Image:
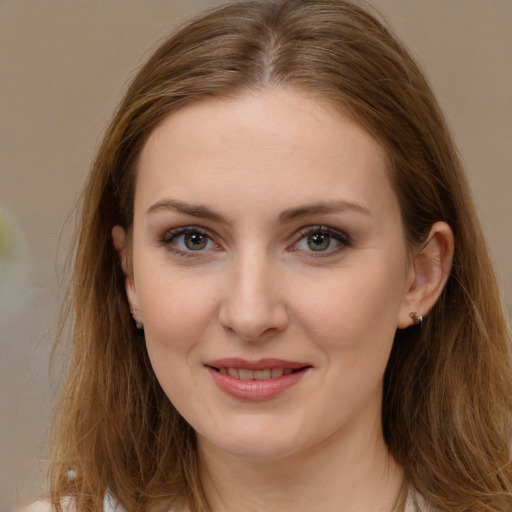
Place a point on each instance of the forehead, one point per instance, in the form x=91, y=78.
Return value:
x=282, y=143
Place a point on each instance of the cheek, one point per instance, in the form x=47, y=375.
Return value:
x=174, y=309
x=355, y=310
x=352, y=320
x=177, y=314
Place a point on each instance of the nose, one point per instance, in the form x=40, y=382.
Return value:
x=253, y=305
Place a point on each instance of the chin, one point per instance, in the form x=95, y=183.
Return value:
x=254, y=442
x=259, y=450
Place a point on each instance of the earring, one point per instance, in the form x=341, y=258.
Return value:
x=138, y=324
x=417, y=319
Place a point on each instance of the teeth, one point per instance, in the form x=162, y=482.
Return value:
x=233, y=372
x=245, y=374
x=262, y=374
x=277, y=372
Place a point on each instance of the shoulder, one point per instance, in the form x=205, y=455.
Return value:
x=44, y=506
x=37, y=506
x=110, y=504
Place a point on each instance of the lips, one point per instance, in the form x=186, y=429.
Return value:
x=256, y=380
x=247, y=374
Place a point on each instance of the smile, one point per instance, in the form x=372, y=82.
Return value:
x=246, y=374
x=258, y=380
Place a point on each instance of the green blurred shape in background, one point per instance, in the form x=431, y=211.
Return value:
x=15, y=264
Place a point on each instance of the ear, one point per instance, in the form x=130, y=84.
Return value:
x=119, y=240
x=430, y=268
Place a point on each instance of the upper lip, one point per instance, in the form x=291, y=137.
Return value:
x=260, y=364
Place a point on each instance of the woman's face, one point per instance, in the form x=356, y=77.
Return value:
x=269, y=270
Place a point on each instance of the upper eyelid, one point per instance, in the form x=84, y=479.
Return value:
x=304, y=231
x=170, y=234
x=173, y=232
x=168, y=240
x=343, y=239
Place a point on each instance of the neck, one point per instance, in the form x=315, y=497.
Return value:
x=347, y=472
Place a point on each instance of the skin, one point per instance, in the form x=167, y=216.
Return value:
x=269, y=276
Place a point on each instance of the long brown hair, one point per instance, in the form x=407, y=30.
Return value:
x=447, y=414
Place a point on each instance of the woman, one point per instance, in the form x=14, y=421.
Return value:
x=282, y=299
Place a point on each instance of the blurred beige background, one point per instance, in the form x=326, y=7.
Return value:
x=63, y=66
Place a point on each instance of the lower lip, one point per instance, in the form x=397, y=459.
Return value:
x=255, y=390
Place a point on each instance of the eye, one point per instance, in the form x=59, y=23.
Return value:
x=194, y=241
x=187, y=240
x=321, y=239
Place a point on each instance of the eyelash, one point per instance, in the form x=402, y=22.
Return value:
x=169, y=240
x=342, y=238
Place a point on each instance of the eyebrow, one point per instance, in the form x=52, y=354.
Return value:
x=204, y=212
x=194, y=210
x=321, y=209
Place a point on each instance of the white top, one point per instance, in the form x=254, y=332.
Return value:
x=109, y=505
